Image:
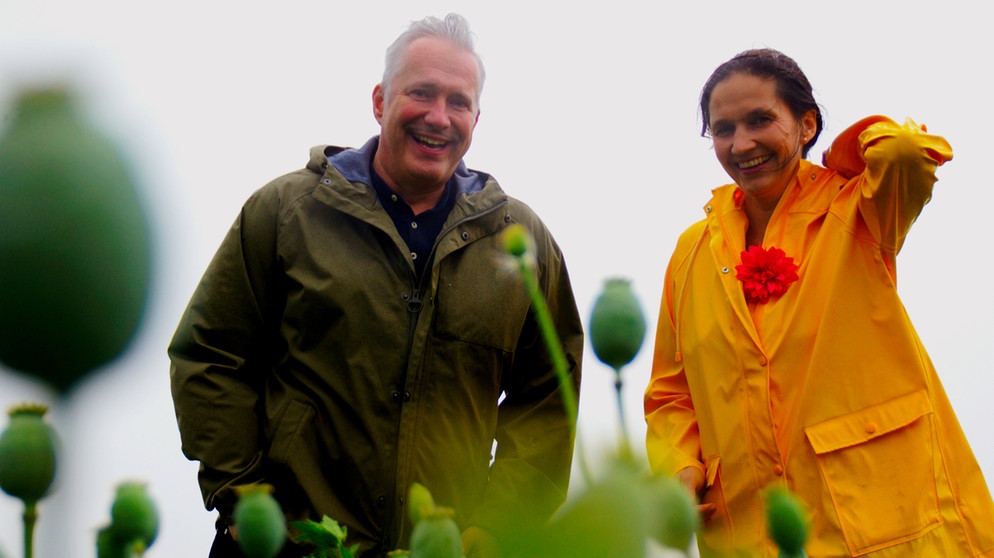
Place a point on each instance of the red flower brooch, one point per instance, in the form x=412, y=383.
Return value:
x=765, y=273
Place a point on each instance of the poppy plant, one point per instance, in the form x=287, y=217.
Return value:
x=765, y=273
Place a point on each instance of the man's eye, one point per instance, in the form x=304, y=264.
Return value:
x=419, y=94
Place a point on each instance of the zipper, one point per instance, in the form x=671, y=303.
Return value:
x=415, y=304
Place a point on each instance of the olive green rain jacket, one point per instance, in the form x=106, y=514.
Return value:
x=311, y=358
x=826, y=390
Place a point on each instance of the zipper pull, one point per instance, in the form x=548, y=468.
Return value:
x=415, y=304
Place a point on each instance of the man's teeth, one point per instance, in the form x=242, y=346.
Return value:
x=755, y=162
x=430, y=142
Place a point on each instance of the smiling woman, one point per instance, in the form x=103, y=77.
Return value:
x=803, y=369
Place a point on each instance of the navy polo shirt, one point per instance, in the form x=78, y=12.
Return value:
x=418, y=231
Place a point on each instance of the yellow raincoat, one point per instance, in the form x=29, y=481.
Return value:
x=826, y=389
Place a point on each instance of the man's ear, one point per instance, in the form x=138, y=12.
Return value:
x=378, y=102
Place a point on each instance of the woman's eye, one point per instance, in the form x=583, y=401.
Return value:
x=760, y=121
x=722, y=131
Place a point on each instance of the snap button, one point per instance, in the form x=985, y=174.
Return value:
x=870, y=428
x=778, y=469
x=507, y=218
x=465, y=235
x=763, y=360
x=414, y=255
x=725, y=270
x=326, y=181
x=707, y=209
x=414, y=224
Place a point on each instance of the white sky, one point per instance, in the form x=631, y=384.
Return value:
x=589, y=115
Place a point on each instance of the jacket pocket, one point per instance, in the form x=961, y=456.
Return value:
x=879, y=467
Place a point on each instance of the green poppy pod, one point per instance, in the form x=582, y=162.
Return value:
x=617, y=325
x=787, y=522
x=260, y=522
x=109, y=546
x=419, y=501
x=674, y=513
x=27, y=454
x=75, y=247
x=609, y=519
x=517, y=241
x=436, y=535
x=133, y=514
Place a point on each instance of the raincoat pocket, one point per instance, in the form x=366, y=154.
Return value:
x=879, y=467
x=717, y=533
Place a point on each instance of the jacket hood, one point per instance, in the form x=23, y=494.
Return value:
x=354, y=164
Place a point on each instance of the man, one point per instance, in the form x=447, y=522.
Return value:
x=358, y=329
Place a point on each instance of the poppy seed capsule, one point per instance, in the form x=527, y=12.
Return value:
x=419, y=500
x=674, y=513
x=260, y=521
x=436, y=535
x=133, y=514
x=787, y=522
x=76, y=247
x=108, y=546
x=27, y=454
x=516, y=240
x=617, y=325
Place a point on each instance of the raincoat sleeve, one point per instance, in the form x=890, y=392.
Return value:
x=894, y=166
x=672, y=435
x=219, y=357
x=530, y=473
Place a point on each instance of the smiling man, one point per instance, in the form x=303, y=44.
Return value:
x=356, y=331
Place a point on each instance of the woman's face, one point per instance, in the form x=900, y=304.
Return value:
x=756, y=138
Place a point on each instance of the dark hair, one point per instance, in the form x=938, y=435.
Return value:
x=793, y=87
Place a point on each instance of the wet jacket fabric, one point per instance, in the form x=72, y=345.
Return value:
x=826, y=390
x=312, y=358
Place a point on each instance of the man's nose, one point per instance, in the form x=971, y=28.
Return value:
x=438, y=114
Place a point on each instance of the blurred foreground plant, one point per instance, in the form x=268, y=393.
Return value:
x=260, y=521
x=27, y=463
x=620, y=511
x=75, y=255
x=134, y=523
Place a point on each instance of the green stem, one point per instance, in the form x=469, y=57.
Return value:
x=625, y=446
x=30, y=517
x=558, y=357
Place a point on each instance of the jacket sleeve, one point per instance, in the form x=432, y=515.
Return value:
x=530, y=473
x=672, y=436
x=219, y=357
x=894, y=166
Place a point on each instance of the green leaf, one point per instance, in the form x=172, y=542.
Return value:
x=328, y=538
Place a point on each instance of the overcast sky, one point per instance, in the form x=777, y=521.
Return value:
x=589, y=114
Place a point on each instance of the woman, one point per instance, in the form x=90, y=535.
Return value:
x=783, y=354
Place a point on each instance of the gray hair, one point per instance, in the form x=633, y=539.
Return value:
x=453, y=28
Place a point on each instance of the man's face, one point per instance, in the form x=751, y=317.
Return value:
x=427, y=117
